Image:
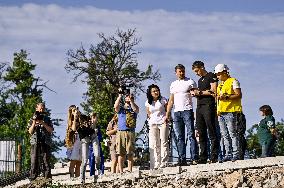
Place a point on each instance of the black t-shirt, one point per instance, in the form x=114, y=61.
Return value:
x=204, y=84
x=85, y=132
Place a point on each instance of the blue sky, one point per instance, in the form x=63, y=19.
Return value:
x=255, y=6
x=248, y=36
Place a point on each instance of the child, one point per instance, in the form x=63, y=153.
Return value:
x=111, y=131
x=267, y=131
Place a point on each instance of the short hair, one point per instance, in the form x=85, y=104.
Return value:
x=40, y=104
x=179, y=66
x=266, y=109
x=197, y=64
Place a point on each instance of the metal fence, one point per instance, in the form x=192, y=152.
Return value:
x=8, y=157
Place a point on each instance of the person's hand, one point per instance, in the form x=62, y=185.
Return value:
x=223, y=96
x=193, y=92
x=167, y=119
x=40, y=122
x=35, y=123
x=76, y=114
x=131, y=96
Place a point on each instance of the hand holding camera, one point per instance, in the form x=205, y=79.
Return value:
x=124, y=89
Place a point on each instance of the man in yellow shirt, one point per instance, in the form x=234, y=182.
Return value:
x=229, y=96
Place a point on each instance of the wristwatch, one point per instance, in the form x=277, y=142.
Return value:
x=200, y=93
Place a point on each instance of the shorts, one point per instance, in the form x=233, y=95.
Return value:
x=125, y=142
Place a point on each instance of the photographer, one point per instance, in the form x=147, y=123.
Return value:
x=40, y=129
x=125, y=137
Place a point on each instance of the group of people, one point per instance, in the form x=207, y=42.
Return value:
x=219, y=126
x=83, y=143
x=83, y=135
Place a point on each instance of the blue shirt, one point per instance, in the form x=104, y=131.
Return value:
x=122, y=119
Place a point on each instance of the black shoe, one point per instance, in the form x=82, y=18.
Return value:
x=182, y=163
x=213, y=161
x=202, y=161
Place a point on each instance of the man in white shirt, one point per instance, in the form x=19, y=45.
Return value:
x=181, y=98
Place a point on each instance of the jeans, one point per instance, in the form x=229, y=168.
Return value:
x=158, y=145
x=267, y=147
x=182, y=119
x=229, y=132
x=85, y=154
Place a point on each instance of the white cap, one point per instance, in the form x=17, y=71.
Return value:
x=221, y=68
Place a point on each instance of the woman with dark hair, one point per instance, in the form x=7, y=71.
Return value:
x=267, y=131
x=156, y=106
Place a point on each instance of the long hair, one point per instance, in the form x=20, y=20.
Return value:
x=149, y=95
x=69, y=138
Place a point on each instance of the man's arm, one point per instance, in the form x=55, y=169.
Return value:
x=134, y=106
x=32, y=127
x=237, y=94
x=169, y=107
x=47, y=126
x=117, y=102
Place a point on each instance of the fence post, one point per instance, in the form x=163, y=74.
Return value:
x=19, y=159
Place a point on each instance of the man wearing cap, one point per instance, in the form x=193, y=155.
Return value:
x=206, y=112
x=229, y=97
x=181, y=98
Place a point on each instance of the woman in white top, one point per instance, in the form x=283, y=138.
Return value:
x=156, y=106
x=73, y=142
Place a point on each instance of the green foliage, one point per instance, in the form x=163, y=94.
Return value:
x=253, y=146
x=18, y=100
x=279, y=148
x=106, y=66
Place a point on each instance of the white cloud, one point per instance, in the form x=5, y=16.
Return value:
x=251, y=44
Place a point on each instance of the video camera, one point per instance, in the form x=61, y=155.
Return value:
x=124, y=89
x=38, y=115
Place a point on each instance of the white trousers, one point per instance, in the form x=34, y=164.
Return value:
x=159, y=146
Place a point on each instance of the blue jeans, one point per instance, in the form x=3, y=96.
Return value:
x=182, y=119
x=229, y=133
x=85, y=155
x=267, y=147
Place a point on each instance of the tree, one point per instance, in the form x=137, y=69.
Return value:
x=6, y=112
x=107, y=66
x=20, y=99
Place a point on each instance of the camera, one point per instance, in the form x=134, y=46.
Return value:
x=124, y=89
x=85, y=120
x=38, y=115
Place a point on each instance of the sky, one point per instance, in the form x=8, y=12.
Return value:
x=247, y=35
